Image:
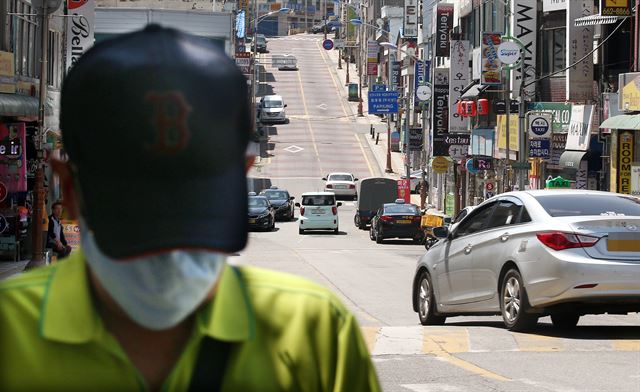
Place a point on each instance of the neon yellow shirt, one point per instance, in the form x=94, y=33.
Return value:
x=288, y=334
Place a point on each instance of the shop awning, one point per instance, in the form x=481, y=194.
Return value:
x=16, y=105
x=593, y=20
x=571, y=159
x=622, y=121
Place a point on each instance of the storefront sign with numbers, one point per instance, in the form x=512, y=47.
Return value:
x=440, y=101
x=615, y=7
x=458, y=80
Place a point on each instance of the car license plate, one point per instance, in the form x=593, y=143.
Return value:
x=319, y=211
x=341, y=186
x=623, y=242
x=252, y=221
x=403, y=221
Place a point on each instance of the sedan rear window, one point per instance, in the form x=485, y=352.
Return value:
x=318, y=200
x=401, y=209
x=579, y=205
x=340, y=177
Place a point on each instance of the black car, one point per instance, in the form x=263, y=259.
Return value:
x=261, y=213
x=281, y=201
x=397, y=220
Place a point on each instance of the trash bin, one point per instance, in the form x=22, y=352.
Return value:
x=353, y=92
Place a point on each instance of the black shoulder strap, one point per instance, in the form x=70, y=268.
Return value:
x=208, y=373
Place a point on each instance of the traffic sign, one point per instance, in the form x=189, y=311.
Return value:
x=440, y=165
x=338, y=43
x=423, y=92
x=327, y=44
x=379, y=87
x=540, y=125
x=383, y=102
x=489, y=186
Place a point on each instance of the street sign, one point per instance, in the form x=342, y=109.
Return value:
x=243, y=61
x=540, y=125
x=327, y=44
x=338, y=43
x=540, y=148
x=485, y=163
x=440, y=165
x=489, y=186
x=383, y=102
x=521, y=166
x=423, y=93
x=379, y=87
x=509, y=52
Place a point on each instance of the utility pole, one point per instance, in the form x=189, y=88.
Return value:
x=389, y=169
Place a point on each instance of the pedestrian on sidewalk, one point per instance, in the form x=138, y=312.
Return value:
x=55, y=232
x=161, y=120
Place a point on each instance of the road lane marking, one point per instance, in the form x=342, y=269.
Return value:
x=335, y=84
x=626, y=345
x=537, y=343
x=306, y=113
x=439, y=346
x=452, y=340
x=370, y=335
x=364, y=154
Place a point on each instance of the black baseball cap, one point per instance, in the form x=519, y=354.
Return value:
x=156, y=124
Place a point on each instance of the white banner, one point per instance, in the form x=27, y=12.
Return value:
x=79, y=29
x=579, y=128
x=523, y=25
x=410, y=26
x=579, y=79
x=427, y=19
x=458, y=80
x=554, y=5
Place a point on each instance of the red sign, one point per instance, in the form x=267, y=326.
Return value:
x=3, y=191
x=372, y=69
x=404, y=190
x=243, y=61
x=489, y=186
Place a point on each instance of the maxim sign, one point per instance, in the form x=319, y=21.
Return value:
x=524, y=29
x=79, y=28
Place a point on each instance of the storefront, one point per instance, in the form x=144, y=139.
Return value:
x=625, y=153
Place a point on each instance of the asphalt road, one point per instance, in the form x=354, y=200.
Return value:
x=374, y=281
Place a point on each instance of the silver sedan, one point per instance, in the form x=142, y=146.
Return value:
x=528, y=254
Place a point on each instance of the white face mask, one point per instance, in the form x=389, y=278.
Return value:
x=157, y=291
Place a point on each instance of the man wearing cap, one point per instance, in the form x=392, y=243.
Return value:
x=160, y=120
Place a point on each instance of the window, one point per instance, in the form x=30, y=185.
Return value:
x=23, y=37
x=53, y=59
x=401, y=209
x=476, y=221
x=554, y=53
x=318, y=200
x=590, y=205
x=507, y=213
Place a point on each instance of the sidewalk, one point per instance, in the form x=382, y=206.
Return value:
x=8, y=268
x=379, y=151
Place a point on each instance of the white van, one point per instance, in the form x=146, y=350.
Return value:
x=272, y=109
x=318, y=211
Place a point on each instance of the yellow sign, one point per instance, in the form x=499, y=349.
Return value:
x=625, y=158
x=631, y=95
x=440, y=165
x=513, y=132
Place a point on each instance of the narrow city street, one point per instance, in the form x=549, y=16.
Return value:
x=374, y=280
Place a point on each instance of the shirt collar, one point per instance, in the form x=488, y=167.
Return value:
x=69, y=315
x=229, y=316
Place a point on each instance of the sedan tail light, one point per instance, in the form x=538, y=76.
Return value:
x=302, y=211
x=351, y=186
x=334, y=210
x=385, y=218
x=558, y=240
x=329, y=186
x=417, y=218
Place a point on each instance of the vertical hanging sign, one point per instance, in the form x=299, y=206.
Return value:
x=372, y=57
x=579, y=80
x=458, y=79
x=524, y=29
x=440, y=101
x=410, y=23
x=490, y=74
x=79, y=29
x=421, y=73
x=443, y=26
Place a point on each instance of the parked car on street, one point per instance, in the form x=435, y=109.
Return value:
x=281, y=201
x=260, y=43
x=284, y=62
x=372, y=193
x=318, y=211
x=271, y=109
x=261, y=213
x=323, y=27
x=397, y=220
x=342, y=184
x=528, y=254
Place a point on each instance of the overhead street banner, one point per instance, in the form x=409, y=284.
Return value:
x=458, y=80
x=80, y=28
x=579, y=79
x=443, y=25
x=523, y=25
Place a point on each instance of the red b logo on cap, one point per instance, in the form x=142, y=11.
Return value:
x=169, y=121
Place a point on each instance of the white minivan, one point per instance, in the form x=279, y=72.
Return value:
x=272, y=109
x=318, y=211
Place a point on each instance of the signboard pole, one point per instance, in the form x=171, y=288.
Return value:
x=523, y=137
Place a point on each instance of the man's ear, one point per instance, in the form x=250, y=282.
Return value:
x=248, y=163
x=69, y=199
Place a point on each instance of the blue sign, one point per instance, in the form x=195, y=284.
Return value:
x=383, y=102
x=540, y=148
x=327, y=44
x=421, y=75
x=240, y=19
x=379, y=87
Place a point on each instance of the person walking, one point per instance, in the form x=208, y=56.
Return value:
x=55, y=232
x=160, y=120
